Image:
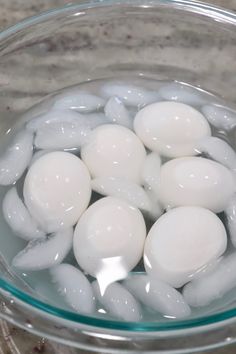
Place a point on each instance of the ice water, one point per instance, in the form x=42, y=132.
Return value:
x=40, y=281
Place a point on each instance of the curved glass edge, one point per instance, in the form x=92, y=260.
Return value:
x=117, y=325
x=214, y=12
x=75, y=344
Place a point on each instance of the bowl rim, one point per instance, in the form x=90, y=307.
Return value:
x=193, y=6
x=163, y=327
x=216, y=12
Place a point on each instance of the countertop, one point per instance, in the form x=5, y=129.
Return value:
x=13, y=11
x=12, y=339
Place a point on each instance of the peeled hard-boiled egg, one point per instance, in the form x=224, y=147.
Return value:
x=114, y=151
x=181, y=242
x=171, y=128
x=109, y=239
x=57, y=190
x=195, y=181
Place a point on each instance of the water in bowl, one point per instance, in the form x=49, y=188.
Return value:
x=68, y=121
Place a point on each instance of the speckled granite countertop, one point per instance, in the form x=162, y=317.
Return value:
x=13, y=11
x=12, y=339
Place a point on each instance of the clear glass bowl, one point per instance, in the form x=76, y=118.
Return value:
x=161, y=39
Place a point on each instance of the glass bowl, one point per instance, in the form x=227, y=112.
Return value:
x=161, y=39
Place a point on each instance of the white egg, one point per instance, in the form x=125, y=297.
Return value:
x=114, y=151
x=181, y=242
x=57, y=190
x=118, y=302
x=45, y=252
x=219, y=116
x=19, y=218
x=117, y=113
x=16, y=158
x=75, y=287
x=157, y=295
x=171, y=128
x=109, y=239
x=214, y=285
x=195, y=181
x=218, y=150
x=230, y=212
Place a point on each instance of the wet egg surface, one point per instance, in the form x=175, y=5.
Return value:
x=171, y=128
x=181, y=242
x=196, y=181
x=57, y=190
x=106, y=233
x=114, y=151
